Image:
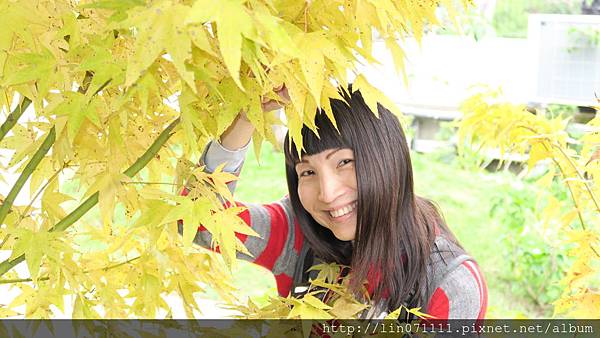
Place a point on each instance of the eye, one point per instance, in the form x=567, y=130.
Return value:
x=306, y=173
x=344, y=162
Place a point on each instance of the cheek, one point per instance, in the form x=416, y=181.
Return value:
x=304, y=195
x=308, y=197
x=350, y=178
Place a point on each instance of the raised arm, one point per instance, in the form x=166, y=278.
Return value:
x=238, y=135
x=231, y=150
x=280, y=239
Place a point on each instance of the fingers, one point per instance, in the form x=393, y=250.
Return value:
x=283, y=94
x=271, y=105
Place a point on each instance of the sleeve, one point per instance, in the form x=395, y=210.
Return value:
x=280, y=241
x=462, y=294
x=215, y=154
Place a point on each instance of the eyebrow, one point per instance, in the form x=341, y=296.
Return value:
x=326, y=157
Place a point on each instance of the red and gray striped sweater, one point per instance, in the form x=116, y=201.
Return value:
x=455, y=288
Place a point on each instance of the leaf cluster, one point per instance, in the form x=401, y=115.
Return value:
x=491, y=122
x=109, y=103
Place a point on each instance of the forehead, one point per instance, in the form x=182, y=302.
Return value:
x=324, y=155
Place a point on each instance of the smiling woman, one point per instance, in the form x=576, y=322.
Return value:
x=327, y=190
x=351, y=201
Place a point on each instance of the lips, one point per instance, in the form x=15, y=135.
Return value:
x=343, y=211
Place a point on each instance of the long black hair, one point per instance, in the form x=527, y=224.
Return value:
x=395, y=229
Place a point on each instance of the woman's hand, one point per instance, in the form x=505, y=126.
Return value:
x=240, y=132
x=270, y=104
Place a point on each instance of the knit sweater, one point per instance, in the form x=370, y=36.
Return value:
x=455, y=287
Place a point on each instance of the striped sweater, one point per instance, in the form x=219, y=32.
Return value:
x=455, y=288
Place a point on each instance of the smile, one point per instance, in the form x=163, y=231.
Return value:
x=343, y=211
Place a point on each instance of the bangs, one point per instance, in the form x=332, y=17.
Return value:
x=328, y=138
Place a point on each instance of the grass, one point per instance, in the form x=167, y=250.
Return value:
x=464, y=197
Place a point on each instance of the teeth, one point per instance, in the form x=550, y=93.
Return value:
x=343, y=211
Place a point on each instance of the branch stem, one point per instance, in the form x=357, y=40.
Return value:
x=40, y=191
x=45, y=278
x=33, y=163
x=91, y=201
x=150, y=183
x=579, y=175
x=568, y=158
x=13, y=117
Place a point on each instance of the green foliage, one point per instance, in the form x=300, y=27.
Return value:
x=467, y=159
x=489, y=122
x=533, y=267
x=555, y=110
x=472, y=23
x=465, y=194
x=583, y=38
x=510, y=17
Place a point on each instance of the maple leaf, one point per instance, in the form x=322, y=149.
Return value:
x=119, y=7
x=417, y=312
x=344, y=308
x=327, y=272
x=309, y=307
x=312, y=63
x=373, y=96
x=39, y=67
x=32, y=245
x=192, y=214
x=233, y=23
x=160, y=29
x=78, y=107
x=101, y=62
x=108, y=184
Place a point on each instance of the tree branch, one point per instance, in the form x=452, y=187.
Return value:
x=33, y=163
x=39, y=154
x=149, y=183
x=40, y=191
x=45, y=278
x=581, y=178
x=13, y=117
x=76, y=214
x=573, y=165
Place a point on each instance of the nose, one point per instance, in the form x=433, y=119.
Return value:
x=330, y=187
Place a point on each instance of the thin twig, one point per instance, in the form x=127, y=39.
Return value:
x=579, y=175
x=570, y=191
x=37, y=157
x=4, y=240
x=29, y=168
x=567, y=182
x=85, y=84
x=574, y=200
x=141, y=182
x=40, y=192
x=91, y=201
x=306, y=18
x=86, y=164
x=45, y=278
x=13, y=117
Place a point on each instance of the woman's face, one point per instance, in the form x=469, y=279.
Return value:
x=327, y=190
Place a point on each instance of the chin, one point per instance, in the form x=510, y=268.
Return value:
x=344, y=237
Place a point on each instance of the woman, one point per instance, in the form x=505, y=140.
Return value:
x=351, y=201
